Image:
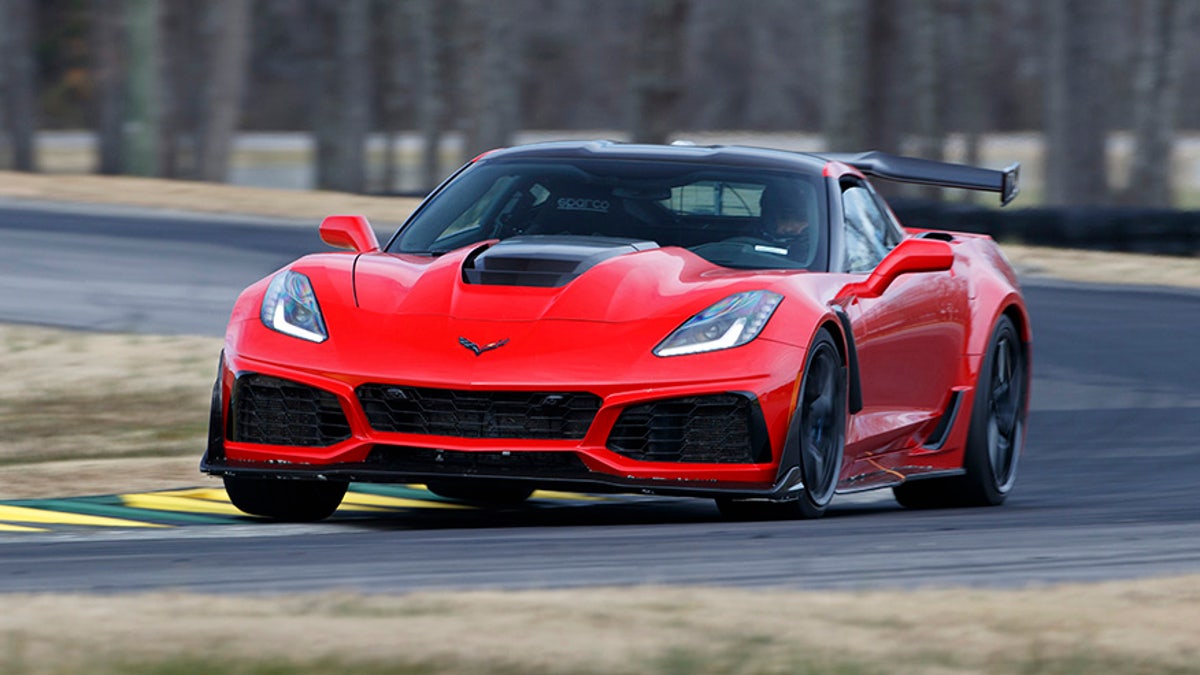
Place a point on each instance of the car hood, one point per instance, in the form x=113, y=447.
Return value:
x=622, y=282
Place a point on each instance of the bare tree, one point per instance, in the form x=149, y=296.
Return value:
x=342, y=94
x=107, y=41
x=715, y=31
x=493, y=93
x=1166, y=26
x=19, y=92
x=925, y=32
x=971, y=92
x=5, y=37
x=845, y=82
x=928, y=103
x=782, y=62
x=354, y=25
x=227, y=32
x=395, y=82
x=144, y=112
x=431, y=22
x=967, y=90
x=656, y=81
x=179, y=73
x=1075, y=127
x=886, y=82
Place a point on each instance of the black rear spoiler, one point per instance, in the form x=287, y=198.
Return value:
x=930, y=172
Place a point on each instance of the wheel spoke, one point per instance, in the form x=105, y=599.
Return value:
x=1003, y=424
x=1002, y=368
x=827, y=374
x=821, y=407
x=818, y=461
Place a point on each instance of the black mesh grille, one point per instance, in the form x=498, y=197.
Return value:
x=516, y=464
x=478, y=414
x=282, y=412
x=722, y=428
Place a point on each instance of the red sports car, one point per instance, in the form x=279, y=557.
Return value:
x=742, y=324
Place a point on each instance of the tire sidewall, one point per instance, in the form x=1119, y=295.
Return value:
x=810, y=505
x=977, y=462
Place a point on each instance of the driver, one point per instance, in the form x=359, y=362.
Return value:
x=784, y=218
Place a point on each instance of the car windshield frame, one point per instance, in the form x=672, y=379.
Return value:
x=718, y=211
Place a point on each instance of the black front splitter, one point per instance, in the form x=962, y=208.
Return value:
x=787, y=488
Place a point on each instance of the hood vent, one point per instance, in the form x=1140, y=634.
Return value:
x=545, y=261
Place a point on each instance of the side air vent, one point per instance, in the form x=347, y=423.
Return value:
x=546, y=261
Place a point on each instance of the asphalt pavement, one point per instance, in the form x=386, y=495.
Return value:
x=1107, y=486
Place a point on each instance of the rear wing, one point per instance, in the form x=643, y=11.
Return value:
x=930, y=172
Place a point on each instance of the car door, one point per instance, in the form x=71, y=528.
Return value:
x=909, y=339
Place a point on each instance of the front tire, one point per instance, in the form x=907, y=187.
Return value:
x=996, y=434
x=300, y=501
x=821, y=412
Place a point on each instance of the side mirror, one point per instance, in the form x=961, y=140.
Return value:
x=352, y=232
x=909, y=257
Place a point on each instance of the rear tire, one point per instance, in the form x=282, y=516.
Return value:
x=483, y=493
x=822, y=410
x=995, y=437
x=300, y=501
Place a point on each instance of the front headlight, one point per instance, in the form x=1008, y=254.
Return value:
x=290, y=307
x=731, y=322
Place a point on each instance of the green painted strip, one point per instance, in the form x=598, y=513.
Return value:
x=110, y=506
x=397, y=490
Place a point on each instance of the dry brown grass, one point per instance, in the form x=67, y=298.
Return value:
x=1142, y=626
x=70, y=395
x=1105, y=267
x=203, y=197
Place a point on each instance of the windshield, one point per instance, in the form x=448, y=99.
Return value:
x=732, y=216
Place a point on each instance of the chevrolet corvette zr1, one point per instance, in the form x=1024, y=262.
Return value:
x=744, y=324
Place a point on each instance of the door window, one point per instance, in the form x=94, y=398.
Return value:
x=869, y=234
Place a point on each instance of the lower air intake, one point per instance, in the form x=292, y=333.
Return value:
x=478, y=414
x=281, y=412
x=718, y=429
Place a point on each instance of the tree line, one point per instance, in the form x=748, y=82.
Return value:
x=165, y=85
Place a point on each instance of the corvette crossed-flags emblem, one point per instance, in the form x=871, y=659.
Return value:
x=485, y=348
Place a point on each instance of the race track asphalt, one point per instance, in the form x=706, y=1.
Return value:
x=1107, y=487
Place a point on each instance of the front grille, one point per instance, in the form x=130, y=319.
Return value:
x=537, y=464
x=281, y=412
x=478, y=414
x=720, y=428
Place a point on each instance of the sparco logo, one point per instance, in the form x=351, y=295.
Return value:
x=582, y=204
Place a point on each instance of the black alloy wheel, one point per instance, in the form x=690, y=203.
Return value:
x=996, y=434
x=998, y=422
x=820, y=419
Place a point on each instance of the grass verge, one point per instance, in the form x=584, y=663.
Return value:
x=72, y=402
x=1129, y=627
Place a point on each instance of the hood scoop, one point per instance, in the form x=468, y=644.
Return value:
x=545, y=261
